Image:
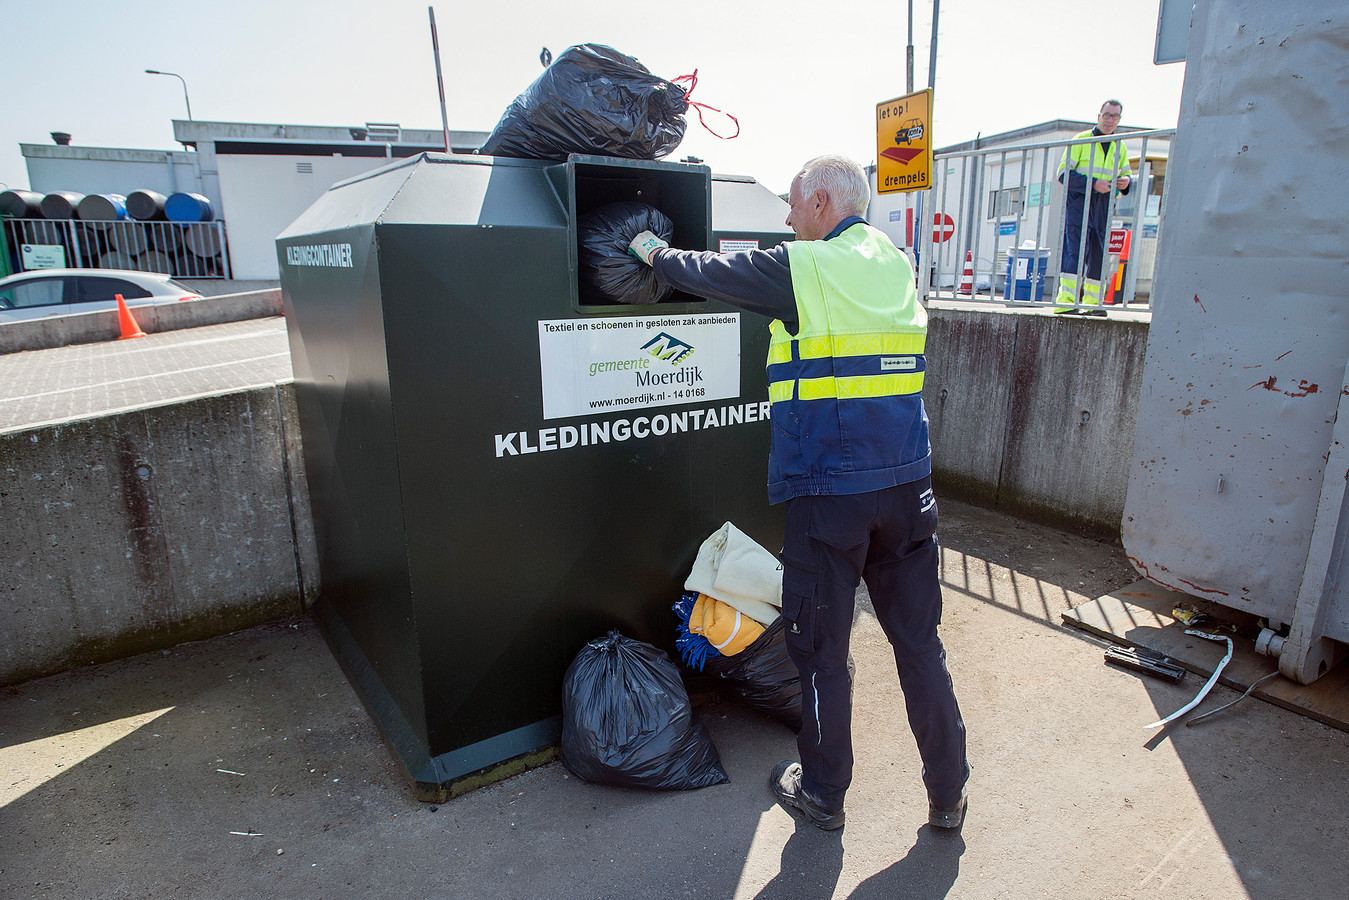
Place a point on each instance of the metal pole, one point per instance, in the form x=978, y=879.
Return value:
x=1089, y=187
x=976, y=218
x=954, y=244
x=183, y=80
x=908, y=80
x=74, y=245
x=1143, y=188
x=440, y=82
x=932, y=60
x=997, y=211
x=1040, y=241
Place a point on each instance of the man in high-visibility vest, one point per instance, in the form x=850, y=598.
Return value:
x=850, y=458
x=1094, y=169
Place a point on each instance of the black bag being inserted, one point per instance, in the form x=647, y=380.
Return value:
x=627, y=720
x=763, y=675
x=609, y=273
x=592, y=100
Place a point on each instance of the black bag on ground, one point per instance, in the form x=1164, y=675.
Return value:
x=609, y=273
x=763, y=675
x=627, y=720
x=592, y=100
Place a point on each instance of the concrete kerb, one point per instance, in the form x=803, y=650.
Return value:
x=151, y=527
x=91, y=328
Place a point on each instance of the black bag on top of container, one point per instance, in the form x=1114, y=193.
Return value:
x=763, y=675
x=627, y=720
x=592, y=100
x=609, y=273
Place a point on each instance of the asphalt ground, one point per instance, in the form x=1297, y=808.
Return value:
x=245, y=766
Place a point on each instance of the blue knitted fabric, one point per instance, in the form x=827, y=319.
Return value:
x=694, y=649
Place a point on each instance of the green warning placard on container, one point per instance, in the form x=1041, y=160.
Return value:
x=904, y=143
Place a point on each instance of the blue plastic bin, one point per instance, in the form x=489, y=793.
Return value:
x=1029, y=266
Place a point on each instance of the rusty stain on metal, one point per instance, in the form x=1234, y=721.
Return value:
x=1204, y=589
x=1282, y=355
x=1143, y=568
x=1200, y=302
x=1305, y=387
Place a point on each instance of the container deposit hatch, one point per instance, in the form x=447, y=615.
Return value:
x=500, y=470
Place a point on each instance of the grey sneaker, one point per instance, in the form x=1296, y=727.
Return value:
x=785, y=780
x=938, y=817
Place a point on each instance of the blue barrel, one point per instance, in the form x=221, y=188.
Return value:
x=185, y=207
x=102, y=208
x=61, y=204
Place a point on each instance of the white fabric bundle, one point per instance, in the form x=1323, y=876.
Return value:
x=734, y=569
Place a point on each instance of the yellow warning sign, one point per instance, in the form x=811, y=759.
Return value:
x=904, y=143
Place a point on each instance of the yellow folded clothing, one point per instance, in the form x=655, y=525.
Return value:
x=724, y=626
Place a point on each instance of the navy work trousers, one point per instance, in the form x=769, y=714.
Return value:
x=889, y=538
x=1096, y=232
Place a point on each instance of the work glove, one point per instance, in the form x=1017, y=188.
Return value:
x=644, y=245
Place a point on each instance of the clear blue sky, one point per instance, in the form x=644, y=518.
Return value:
x=803, y=78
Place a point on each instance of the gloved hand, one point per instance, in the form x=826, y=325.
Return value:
x=644, y=245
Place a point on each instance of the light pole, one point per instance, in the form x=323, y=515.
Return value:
x=180, y=78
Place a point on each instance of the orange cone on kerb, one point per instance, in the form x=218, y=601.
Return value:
x=129, y=327
x=967, y=278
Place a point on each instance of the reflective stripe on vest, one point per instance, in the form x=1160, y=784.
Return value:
x=862, y=332
x=1093, y=162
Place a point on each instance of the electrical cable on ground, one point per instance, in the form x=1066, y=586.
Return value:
x=1214, y=712
x=1203, y=692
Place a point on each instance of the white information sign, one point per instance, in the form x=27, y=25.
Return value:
x=596, y=366
x=43, y=256
x=729, y=245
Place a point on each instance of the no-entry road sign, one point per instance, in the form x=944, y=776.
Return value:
x=943, y=226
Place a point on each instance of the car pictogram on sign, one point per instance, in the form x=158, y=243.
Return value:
x=912, y=130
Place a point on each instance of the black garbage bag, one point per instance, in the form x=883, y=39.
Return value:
x=592, y=100
x=609, y=273
x=763, y=675
x=627, y=720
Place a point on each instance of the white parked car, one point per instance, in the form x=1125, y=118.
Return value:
x=60, y=292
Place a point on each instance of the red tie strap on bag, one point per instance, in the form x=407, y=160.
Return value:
x=692, y=80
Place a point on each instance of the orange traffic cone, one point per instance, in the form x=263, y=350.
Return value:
x=129, y=327
x=967, y=278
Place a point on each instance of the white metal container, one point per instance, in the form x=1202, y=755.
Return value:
x=1238, y=486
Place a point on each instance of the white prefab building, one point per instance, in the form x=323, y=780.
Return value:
x=257, y=177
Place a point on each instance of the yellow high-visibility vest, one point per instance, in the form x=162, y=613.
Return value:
x=846, y=389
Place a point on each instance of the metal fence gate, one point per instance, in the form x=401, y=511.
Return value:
x=1004, y=210
x=183, y=250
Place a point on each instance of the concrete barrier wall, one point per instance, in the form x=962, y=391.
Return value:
x=137, y=531
x=145, y=529
x=1034, y=414
x=91, y=328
